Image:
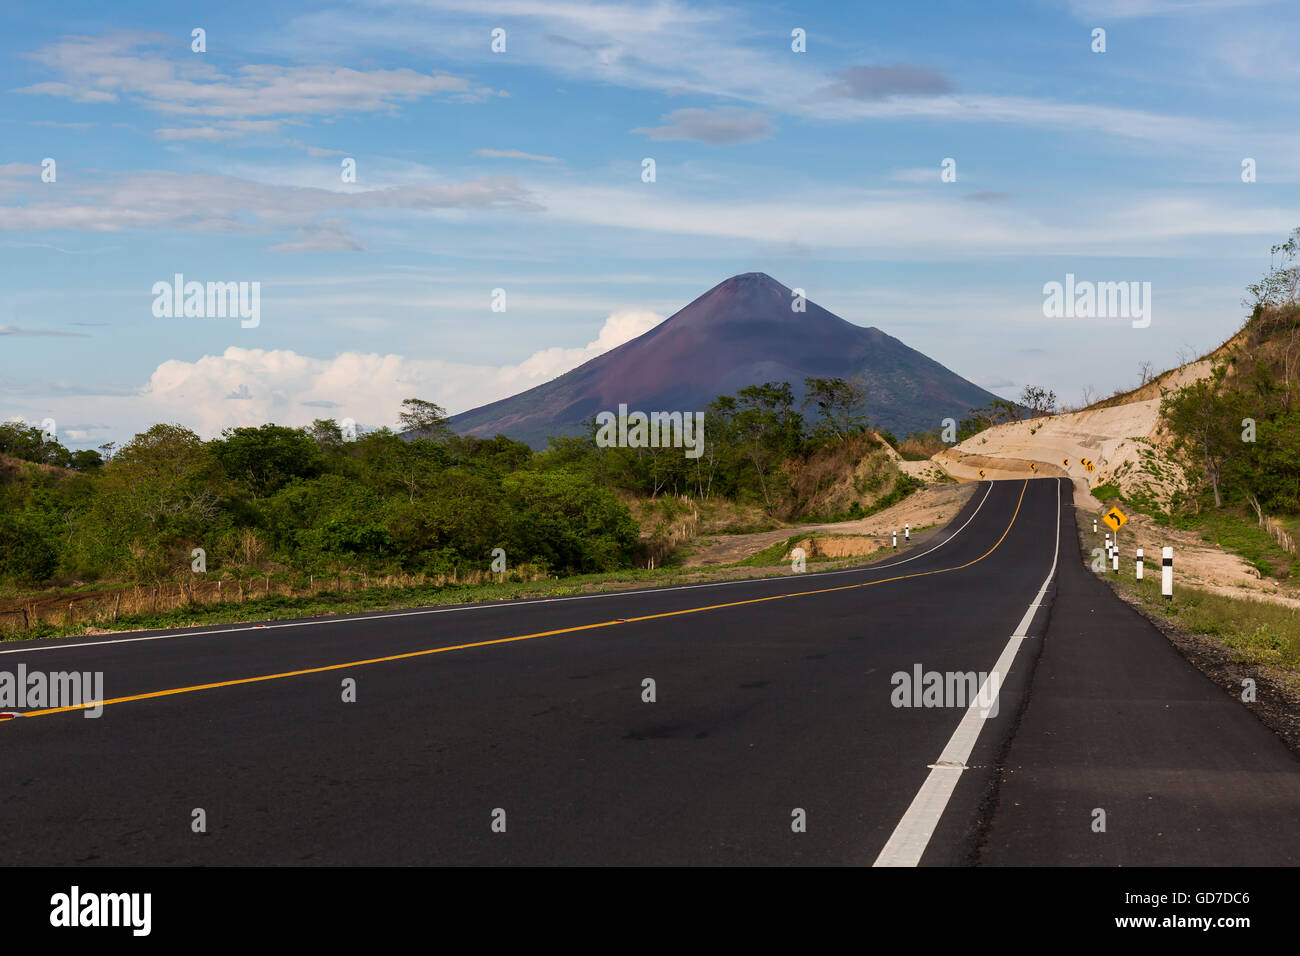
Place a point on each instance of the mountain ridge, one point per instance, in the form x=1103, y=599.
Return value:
x=743, y=331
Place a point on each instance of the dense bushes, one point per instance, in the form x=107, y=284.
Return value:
x=304, y=500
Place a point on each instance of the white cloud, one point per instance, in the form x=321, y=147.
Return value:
x=244, y=386
x=106, y=68
x=227, y=204
x=718, y=51
x=213, y=134
x=890, y=224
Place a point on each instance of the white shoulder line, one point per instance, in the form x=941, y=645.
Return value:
x=317, y=622
x=912, y=835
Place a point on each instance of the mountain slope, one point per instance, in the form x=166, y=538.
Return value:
x=741, y=332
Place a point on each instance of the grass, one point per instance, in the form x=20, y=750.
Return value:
x=904, y=486
x=1233, y=528
x=331, y=602
x=1256, y=632
x=1107, y=493
x=1228, y=528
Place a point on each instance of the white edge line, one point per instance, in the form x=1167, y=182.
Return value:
x=317, y=622
x=910, y=838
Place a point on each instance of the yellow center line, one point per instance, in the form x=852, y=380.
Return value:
x=525, y=637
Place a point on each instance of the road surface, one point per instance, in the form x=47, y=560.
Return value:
x=774, y=707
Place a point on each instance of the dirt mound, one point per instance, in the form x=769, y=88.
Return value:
x=839, y=546
x=927, y=507
x=1124, y=442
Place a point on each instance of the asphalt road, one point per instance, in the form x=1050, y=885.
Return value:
x=772, y=697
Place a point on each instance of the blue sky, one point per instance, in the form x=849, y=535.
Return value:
x=521, y=170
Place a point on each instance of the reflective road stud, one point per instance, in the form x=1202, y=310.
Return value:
x=1139, y=565
x=1167, y=572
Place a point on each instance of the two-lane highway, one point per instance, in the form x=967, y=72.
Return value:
x=773, y=703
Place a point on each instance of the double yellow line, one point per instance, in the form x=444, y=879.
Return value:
x=525, y=637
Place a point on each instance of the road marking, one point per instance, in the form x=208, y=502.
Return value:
x=318, y=622
x=525, y=637
x=910, y=838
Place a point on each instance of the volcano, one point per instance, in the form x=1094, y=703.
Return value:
x=741, y=332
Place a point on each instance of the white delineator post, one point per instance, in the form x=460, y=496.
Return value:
x=1139, y=565
x=895, y=540
x=1167, y=572
x=1094, y=526
x=907, y=531
x=1114, y=560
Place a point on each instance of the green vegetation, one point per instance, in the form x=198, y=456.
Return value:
x=1107, y=493
x=273, y=500
x=1255, y=631
x=757, y=446
x=1238, y=432
x=1233, y=530
x=311, y=502
x=1034, y=402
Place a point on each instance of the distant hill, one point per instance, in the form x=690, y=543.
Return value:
x=741, y=332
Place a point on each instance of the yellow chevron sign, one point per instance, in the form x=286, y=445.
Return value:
x=1115, y=519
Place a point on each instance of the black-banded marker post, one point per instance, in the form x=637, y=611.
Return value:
x=1167, y=572
x=1139, y=565
x=1094, y=526
x=895, y=540
x=907, y=531
x=1114, y=560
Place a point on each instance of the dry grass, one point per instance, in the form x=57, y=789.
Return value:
x=104, y=607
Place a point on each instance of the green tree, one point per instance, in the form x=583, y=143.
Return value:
x=264, y=458
x=767, y=430
x=421, y=419
x=1280, y=286
x=1200, y=419
x=1039, y=401
x=841, y=404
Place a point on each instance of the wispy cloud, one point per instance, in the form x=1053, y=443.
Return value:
x=880, y=82
x=723, y=126
x=136, y=66
x=516, y=154
x=165, y=200
x=1129, y=9
x=49, y=333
